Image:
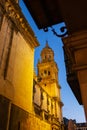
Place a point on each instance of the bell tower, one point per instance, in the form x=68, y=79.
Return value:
x=48, y=80
x=48, y=72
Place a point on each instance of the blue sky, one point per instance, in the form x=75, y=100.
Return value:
x=71, y=108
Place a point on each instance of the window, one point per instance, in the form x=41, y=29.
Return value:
x=45, y=72
x=44, y=84
x=48, y=72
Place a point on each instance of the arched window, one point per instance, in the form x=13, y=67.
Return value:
x=48, y=72
x=45, y=72
x=41, y=74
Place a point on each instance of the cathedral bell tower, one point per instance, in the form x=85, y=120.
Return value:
x=48, y=80
x=48, y=72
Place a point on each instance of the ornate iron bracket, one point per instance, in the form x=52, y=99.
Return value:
x=62, y=29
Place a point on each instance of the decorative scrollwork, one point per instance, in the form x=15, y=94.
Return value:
x=62, y=29
x=14, y=14
x=45, y=29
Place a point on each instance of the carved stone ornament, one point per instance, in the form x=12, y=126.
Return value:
x=13, y=12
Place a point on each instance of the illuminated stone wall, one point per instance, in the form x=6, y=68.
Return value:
x=17, y=43
x=35, y=123
x=15, y=118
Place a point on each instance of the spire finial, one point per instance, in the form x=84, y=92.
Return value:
x=47, y=44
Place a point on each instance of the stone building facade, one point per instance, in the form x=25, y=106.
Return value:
x=47, y=99
x=17, y=44
x=81, y=126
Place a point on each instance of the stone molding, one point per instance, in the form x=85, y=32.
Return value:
x=13, y=12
